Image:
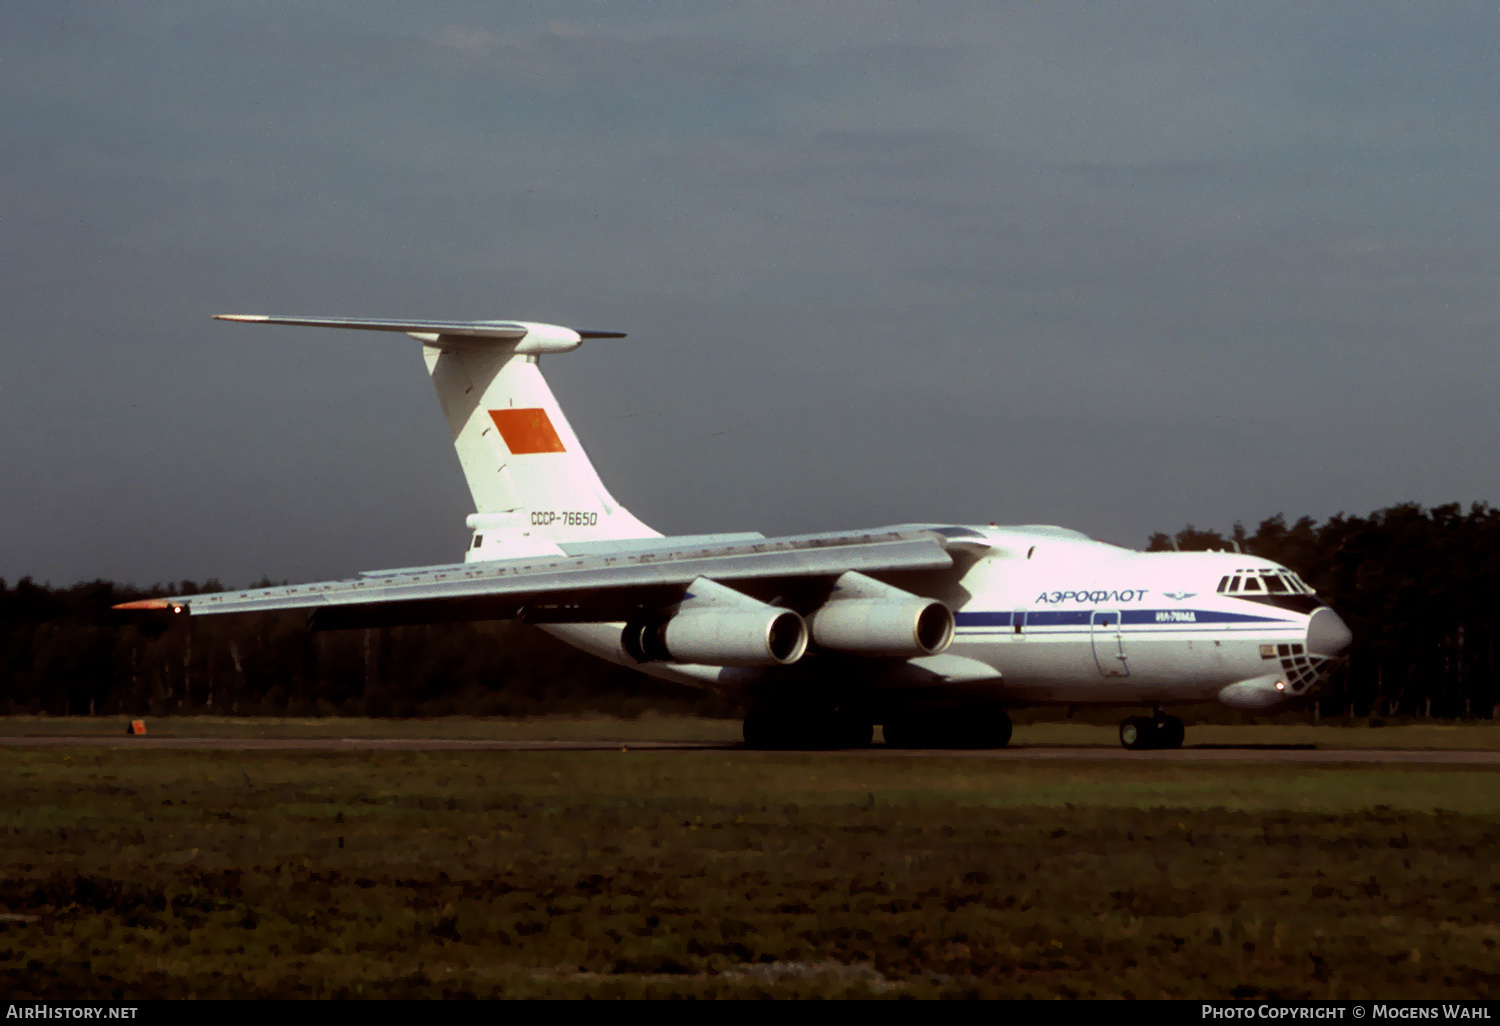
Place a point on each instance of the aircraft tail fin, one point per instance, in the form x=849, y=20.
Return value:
x=533, y=484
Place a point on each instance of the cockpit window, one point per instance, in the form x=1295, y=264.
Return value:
x=1269, y=582
x=1280, y=588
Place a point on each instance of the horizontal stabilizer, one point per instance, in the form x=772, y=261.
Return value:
x=505, y=331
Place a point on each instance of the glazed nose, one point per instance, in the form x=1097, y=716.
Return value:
x=1327, y=634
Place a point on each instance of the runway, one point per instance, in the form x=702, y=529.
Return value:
x=1019, y=753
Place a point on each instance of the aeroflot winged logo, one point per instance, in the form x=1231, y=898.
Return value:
x=527, y=431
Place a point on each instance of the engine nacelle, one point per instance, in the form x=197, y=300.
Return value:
x=720, y=637
x=883, y=627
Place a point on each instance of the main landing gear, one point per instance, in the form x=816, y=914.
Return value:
x=1143, y=732
x=961, y=728
x=782, y=729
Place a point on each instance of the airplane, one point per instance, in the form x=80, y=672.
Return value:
x=931, y=631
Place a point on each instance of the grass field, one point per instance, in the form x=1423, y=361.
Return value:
x=685, y=728
x=170, y=873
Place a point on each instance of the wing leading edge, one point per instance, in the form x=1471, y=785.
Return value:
x=595, y=587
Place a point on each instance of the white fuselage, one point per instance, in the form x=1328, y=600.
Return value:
x=1084, y=621
x=1061, y=618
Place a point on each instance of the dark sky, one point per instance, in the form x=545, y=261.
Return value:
x=1115, y=267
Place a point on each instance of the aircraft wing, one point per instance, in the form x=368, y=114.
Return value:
x=599, y=586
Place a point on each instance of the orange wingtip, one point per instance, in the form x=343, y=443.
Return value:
x=145, y=604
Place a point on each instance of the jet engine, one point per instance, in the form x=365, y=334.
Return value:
x=718, y=626
x=775, y=637
x=865, y=617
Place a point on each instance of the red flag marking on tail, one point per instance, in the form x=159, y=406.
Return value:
x=527, y=431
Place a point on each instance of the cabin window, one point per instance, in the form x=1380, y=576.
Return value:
x=478, y=540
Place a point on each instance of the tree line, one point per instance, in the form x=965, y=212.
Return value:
x=1420, y=589
x=65, y=651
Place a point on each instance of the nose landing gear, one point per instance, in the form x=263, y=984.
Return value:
x=1145, y=732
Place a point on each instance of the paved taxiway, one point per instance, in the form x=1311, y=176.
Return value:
x=1023, y=752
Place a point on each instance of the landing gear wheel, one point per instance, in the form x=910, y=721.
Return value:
x=1140, y=733
x=1135, y=733
x=834, y=729
x=1169, y=732
x=906, y=731
x=987, y=728
x=960, y=728
x=855, y=733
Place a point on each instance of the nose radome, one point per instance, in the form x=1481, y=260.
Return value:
x=1327, y=634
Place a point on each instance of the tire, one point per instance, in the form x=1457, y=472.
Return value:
x=961, y=728
x=898, y=734
x=983, y=728
x=855, y=733
x=1136, y=734
x=1169, y=732
x=907, y=732
x=1000, y=730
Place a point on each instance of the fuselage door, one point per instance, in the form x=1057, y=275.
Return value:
x=1109, y=643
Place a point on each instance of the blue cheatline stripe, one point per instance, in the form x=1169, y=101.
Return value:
x=982, y=619
x=1076, y=617
x=1058, y=617
x=1155, y=617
